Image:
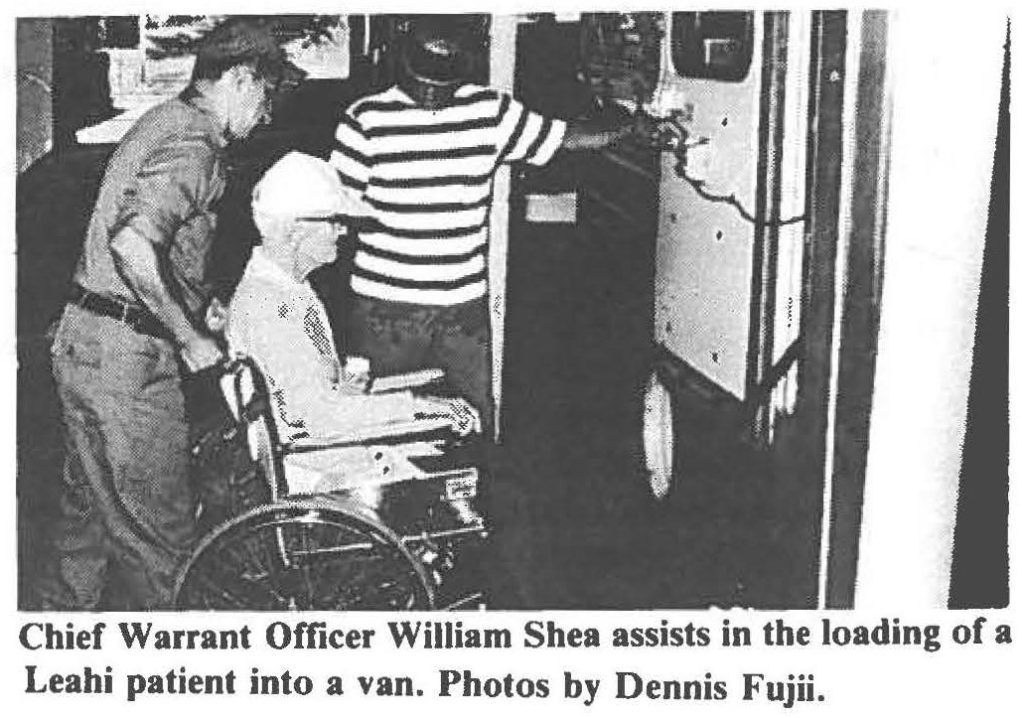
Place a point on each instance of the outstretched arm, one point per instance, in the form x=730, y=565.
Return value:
x=610, y=125
x=595, y=134
x=527, y=136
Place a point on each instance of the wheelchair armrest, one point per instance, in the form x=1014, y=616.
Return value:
x=401, y=382
x=390, y=433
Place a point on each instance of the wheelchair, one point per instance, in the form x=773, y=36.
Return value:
x=385, y=519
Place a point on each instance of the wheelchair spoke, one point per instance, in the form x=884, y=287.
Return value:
x=238, y=591
x=303, y=558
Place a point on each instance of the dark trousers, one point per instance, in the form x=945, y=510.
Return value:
x=399, y=337
x=126, y=504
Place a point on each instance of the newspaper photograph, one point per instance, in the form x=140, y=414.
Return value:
x=572, y=361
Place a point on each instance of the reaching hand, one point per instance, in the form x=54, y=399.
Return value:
x=645, y=128
x=655, y=132
x=463, y=417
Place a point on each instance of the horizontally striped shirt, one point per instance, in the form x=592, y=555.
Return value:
x=428, y=176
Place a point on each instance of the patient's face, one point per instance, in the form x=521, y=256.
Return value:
x=317, y=244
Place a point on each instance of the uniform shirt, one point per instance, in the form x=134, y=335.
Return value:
x=163, y=181
x=428, y=176
x=281, y=323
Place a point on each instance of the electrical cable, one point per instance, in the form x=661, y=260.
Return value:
x=673, y=137
x=698, y=187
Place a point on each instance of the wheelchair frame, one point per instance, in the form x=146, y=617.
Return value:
x=276, y=550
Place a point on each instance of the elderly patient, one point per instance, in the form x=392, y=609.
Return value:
x=277, y=319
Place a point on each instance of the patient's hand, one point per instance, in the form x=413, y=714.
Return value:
x=216, y=316
x=351, y=385
x=351, y=378
x=463, y=417
x=355, y=375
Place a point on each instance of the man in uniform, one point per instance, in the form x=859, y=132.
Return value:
x=135, y=316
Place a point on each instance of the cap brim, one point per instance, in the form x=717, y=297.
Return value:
x=435, y=70
x=353, y=221
x=285, y=74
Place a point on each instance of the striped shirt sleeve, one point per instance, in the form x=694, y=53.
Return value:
x=351, y=153
x=525, y=136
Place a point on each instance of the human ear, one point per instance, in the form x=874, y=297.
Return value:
x=242, y=76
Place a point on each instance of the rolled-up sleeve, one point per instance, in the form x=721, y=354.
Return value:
x=525, y=135
x=171, y=186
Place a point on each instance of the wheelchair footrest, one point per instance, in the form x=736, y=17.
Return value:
x=438, y=523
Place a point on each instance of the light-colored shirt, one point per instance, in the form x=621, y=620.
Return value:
x=428, y=176
x=282, y=325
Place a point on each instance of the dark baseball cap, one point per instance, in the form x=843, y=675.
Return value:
x=244, y=41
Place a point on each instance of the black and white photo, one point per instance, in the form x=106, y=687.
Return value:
x=695, y=309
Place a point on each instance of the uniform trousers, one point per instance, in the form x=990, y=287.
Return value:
x=127, y=504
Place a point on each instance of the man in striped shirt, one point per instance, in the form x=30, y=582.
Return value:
x=424, y=153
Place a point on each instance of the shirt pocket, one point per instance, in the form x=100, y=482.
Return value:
x=78, y=352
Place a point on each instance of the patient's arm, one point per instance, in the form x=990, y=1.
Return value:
x=302, y=377
x=329, y=412
x=346, y=414
x=373, y=416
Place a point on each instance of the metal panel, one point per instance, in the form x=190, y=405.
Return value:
x=704, y=251
x=858, y=333
x=793, y=172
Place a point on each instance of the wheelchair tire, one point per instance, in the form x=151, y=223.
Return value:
x=310, y=554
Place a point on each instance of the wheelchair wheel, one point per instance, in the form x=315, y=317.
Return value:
x=311, y=555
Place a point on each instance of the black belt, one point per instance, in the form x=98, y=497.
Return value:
x=132, y=315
